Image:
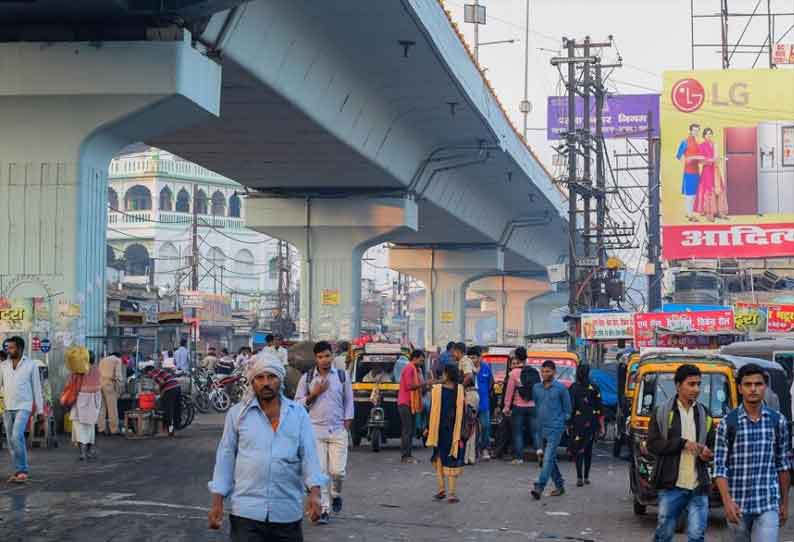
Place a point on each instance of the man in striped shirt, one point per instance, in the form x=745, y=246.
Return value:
x=170, y=396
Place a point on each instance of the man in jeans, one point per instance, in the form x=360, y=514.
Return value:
x=328, y=396
x=521, y=411
x=485, y=389
x=410, y=382
x=553, y=405
x=20, y=384
x=679, y=435
x=751, y=463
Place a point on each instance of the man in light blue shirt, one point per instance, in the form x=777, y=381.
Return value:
x=265, y=460
x=20, y=384
x=553, y=407
x=182, y=357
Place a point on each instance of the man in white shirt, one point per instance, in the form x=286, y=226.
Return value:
x=276, y=348
x=182, y=357
x=20, y=384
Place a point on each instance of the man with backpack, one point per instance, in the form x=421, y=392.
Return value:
x=328, y=396
x=751, y=463
x=679, y=435
x=520, y=406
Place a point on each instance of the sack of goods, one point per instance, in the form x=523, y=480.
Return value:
x=76, y=360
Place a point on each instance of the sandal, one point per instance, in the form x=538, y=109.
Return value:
x=440, y=496
x=453, y=499
x=19, y=478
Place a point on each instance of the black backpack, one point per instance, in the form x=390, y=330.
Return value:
x=529, y=377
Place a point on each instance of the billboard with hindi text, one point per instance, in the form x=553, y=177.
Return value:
x=727, y=164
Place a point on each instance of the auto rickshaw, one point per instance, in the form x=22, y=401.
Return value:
x=655, y=384
x=780, y=350
x=566, y=363
x=375, y=377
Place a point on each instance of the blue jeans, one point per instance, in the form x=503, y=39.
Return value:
x=15, y=423
x=485, y=429
x=756, y=527
x=550, y=468
x=672, y=502
x=522, y=423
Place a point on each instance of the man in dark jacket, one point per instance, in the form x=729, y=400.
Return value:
x=680, y=435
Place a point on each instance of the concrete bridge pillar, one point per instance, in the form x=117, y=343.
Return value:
x=539, y=313
x=446, y=274
x=331, y=236
x=67, y=108
x=511, y=294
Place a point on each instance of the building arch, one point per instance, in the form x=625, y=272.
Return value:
x=201, y=202
x=137, y=258
x=113, y=199
x=166, y=199
x=138, y=198
x=218, y=204
x=183, y=201
x=235, y=206
x=167, y=259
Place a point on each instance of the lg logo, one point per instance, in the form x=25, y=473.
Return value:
x=688, y=95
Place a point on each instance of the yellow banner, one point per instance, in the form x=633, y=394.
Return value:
x=330, y=297
x=727, y=163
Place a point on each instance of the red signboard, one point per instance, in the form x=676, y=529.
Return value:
x=726, y=241
x=780, y=318
x=646, y=322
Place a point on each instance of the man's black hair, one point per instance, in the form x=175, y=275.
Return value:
x=548, y=364
x=322, y=346
x=450, y=345
x=417, y=354
x=460, y=347
x=183, y=341
x=268, y=338
x=685, y=371
x=452, y=372
x=749, y=370
x=475, y=351
x=19, y=341
x=521, y=353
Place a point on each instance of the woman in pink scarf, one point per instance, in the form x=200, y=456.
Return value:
x=710, y=200
x=85, y=412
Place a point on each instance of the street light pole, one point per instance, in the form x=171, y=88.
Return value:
x=476, y=32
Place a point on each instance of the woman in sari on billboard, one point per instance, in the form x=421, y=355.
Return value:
x=711, y=201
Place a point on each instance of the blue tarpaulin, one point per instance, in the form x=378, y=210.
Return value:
x=607, y=380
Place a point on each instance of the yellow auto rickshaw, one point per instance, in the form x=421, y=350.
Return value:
x=375, y=376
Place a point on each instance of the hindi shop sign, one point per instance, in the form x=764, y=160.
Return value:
x=780, y=318
x=624, y=115
x=607, y=326
x=645, y=323
x=726, y=241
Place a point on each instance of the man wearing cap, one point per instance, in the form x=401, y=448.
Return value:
x=265, y=460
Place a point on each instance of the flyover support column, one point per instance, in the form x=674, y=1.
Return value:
x=331, y=236
x=67, y=108
x=446, y=273
x=539, y=313
x=511, y=294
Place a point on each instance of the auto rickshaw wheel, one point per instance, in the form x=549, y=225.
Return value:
x=375, y=436
x=639, y=509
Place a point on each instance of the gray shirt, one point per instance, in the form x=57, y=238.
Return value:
x=335, y=405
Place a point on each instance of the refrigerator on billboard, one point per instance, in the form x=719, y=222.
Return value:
x=741, y=170
x=775, y=167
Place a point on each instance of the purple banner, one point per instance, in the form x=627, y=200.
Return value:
x=624, y=115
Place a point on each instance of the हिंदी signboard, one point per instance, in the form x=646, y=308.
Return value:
x=727, y=164
x=624, y=115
